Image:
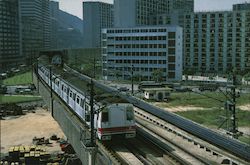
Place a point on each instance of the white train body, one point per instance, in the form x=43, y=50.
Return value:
x=113, y=119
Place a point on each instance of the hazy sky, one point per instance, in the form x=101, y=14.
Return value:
x=75, y=6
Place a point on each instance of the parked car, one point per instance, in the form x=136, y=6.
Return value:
x=123, y=89
x=3, y=76
x=3, y=89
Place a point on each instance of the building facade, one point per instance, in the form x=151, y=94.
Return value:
x=217, y=41
x=148, y=53
x=131, y=13
x=35, y=27
x=175, y=16
x=10, y=36
x=96, y=15
x=54, y=15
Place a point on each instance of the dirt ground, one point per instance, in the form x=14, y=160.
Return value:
x=191, y=108
x=176, y=108
x=21, y=130
x=245, y=107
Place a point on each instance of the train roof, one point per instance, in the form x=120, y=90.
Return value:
x=82, y=87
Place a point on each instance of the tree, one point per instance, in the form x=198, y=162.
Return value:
x=157, y=75
x=247, y=77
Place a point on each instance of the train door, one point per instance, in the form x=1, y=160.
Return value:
x=117, y=115
x=82, y=108
x=87, y=112
x=68, y=96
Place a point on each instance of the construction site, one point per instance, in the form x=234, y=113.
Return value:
x=32, y=136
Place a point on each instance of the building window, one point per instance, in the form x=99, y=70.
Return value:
x=171, y=35
x=171, y=51
x=171, y=43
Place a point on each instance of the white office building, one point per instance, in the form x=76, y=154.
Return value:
x=146, y=53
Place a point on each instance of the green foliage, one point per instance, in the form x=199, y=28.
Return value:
x=21, y=79
x=83, y=61
x=157, y=75
x=245, y=139
x=211, y=117
x=247, y=76
x=18, y=98
x=183, y=99
x=188, y=98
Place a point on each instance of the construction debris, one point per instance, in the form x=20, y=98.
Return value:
x=54, y=137
x=38, y=155
x=27, y=155
x=10, y=110
x=40, y=141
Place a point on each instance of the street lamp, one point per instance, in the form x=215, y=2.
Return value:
x=132, y=79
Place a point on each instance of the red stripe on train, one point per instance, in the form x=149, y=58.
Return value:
x=116, y=129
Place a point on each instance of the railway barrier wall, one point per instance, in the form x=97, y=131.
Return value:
x=73, y=128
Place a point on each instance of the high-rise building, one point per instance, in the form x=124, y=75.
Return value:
x=35, y=27
x=217, y=41
x=96, y=15
x=137, y=12
x=130, y=13
x=175, y=16
x=54, y=15
x=10, y=36
x=147, y=51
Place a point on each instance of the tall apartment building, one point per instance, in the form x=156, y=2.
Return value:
x=217, y=41
x=10, y=36
x=54, y=15
x=131, y=13
x=146, y=50
x=96, y=15
x=137, y=12
x=35, y=27
x=176, y=14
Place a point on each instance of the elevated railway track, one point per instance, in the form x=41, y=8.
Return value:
x=130, y=151
x=155, y=116
x=232, y=146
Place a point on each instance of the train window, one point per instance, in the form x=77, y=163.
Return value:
x=129, y=113
x=87, y=117
x=82, y=103
x=74, y=96
x=70, y=94
x=105, y=116
x=86, y=107
x=62, y=87
x=77, y=100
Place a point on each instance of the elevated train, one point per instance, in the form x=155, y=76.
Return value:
x=110, y=120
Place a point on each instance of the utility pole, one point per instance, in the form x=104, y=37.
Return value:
x=91, y=147
x=234, y=129
x=92, y=142
x=132, y=80
x=230, y=107
x=50, y=79
x=51, y=92
x=94, y=67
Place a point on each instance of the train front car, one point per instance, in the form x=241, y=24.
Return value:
x=116, y=120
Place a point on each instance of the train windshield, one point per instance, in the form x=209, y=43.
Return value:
x=130, y=113
x=105, y=116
